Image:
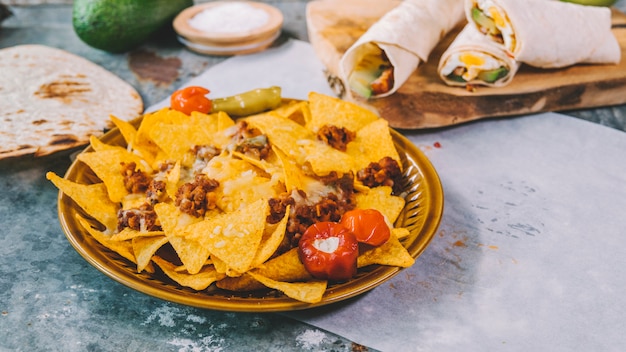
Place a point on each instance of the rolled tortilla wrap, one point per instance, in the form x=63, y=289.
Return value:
x=400, y=41
x=547, y=34
x=474, y=59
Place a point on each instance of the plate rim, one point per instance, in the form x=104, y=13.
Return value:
x=373, y=277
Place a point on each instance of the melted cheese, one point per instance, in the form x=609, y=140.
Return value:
x=501, y=20
x=474, y=63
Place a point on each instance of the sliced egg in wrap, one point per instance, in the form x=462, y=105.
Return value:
x=473, y=59
x=547, y=34
x=386, y=55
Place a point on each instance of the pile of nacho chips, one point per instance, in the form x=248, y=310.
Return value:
x=232, y=246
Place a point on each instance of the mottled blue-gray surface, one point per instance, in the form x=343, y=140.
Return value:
x=51, y=299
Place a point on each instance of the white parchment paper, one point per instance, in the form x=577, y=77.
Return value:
x=293, y=66
x=531, y=251
x=530, y=254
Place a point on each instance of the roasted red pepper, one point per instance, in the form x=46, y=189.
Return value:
x=329, y=251
x=191, y=99
x=368, y=225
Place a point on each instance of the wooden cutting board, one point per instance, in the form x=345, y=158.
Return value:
x=424, y=101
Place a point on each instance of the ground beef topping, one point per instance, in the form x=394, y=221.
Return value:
x=384, y=82
x=205, y=152
x=278, y=207
x=256, y=147
x=135, y=181
x=156, y=192
x=142, y=219
x=305, y=213
x=336, y=137
x=195, y=198
x=344, y=184
x=386, y=172
x=251, y=142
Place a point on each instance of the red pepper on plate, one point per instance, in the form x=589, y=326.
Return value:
x=368, y=225
x=329, y=251
x=191, y=99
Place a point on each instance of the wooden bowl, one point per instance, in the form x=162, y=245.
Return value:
x=228, y=42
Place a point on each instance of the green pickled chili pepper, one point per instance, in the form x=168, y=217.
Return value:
x=249, y=103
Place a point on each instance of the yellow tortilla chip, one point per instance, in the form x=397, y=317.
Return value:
x=222, y=267
x=147, y=123
x=400, y=232
x=131, y=201
x=233, y=237
x=107, y=165
x=174, y=224
x=285, y=267
x=381, y=199
x=128, y=234
x=270, y=165
x=171, y=181
x=224, y=121
x=144, y=142
x=177, y=141
x=309, y=292
x=327, y=110
x=372, y=143
x=103, y=210
x=123, y=248
x=324, y=159
x=240, y=183
x=270, y=242
x=98, y=145
x=191, y=253
x=212, y=124
x=297, y=111
x=390, y=253
x=144, y=248
x=294, y=178
x=284, y=134
x=127, y=130
x=242, y=283
x=199, y=281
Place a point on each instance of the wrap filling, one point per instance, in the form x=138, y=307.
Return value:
x=491, y=20
x=373, y=73
x=471, y=66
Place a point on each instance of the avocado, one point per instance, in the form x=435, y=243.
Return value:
x=483, y=21
x=456, y=78
x=491, y=76
x=359, y=82
x=367, y=69
x=120, y=25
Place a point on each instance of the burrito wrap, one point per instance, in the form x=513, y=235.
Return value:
x=471, y=40
x=407, y=34
x=553, y=34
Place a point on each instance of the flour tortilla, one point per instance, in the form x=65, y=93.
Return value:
x=471, y=40
x=51, y=100
x=554, y=34
x=407, y=34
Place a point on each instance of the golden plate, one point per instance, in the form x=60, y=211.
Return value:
x=421, y=215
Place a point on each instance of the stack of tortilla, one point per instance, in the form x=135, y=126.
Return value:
x=51, y=100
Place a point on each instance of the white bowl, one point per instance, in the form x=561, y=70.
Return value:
x=228, y=42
